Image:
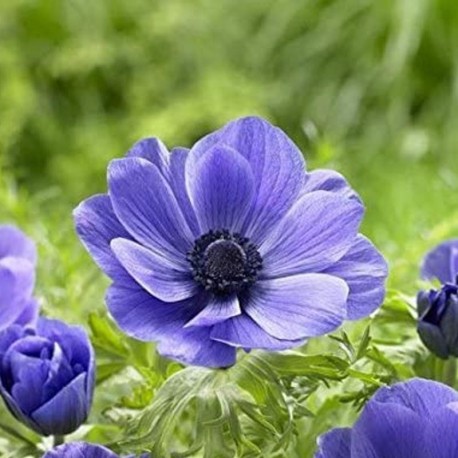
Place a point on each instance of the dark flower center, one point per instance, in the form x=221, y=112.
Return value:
x=224, y=263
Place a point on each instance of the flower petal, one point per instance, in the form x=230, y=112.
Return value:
x=80, y=450
x=153, y=150
x=299, y=306
x=177, y=180
x=242, y=331
x=66, y=411
x=17, y=280
x=277, y=165
x=29, y=315
x=442, y=262
x=97, y=225
x=194, y=346
x=161, y=277
x=316, y=233
x=391, y=430
x=441, y=438
x=217, y=310
x=328, y=180
x=147, y=208
x=145, y=317
x=221, y=187
x=335, y=444
x=364, y=270
x=422, y=396
x=14, y=243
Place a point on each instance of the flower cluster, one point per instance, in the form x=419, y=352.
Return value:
x=230, y=244
x=47, y=367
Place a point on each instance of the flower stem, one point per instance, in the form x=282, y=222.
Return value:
x=58, y=440
x=449, y=376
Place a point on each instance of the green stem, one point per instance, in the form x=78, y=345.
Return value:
x=12, y=432
x=438, y=369
x=449, y=376
x=58, y=440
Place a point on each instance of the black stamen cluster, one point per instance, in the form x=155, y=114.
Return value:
x=224, y=263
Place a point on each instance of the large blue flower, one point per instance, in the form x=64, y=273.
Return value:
x=18, y=257
x=414, y=419
x=47, y=375
x=230, y=244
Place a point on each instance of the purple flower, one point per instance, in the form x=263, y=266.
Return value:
x=414, y=419
x=230, y=244
x=438, y=309
x=83, y=450
x=80, y=450
x=18, y=257
x=47, y=375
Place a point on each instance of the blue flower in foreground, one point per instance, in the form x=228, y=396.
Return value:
x=230, y=244
x=414, y=419
x=47, y=375
x=18, y=257
x=83, y=450
x=438, y=309
x=80, y=450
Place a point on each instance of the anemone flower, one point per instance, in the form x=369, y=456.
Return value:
x=230, y=244
x=414, y=419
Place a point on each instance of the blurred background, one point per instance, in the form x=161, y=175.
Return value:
x=369, y=88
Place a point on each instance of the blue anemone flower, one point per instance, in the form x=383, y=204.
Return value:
x=413, y=419
x=18, y=256
x=438, y=309
x=230, y=244
x=47, y=375
x=84, y=450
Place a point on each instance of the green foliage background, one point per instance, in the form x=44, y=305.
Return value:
x=369, y=88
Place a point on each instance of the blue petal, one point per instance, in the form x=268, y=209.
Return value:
x=364, y=270
x=217, y=310
x=424, y=397
x=316, y=233
x=163, y=278
x=221, y=187
x=442, y=262
x=80, y=450
x=97, y=225
x=432, y=337
x=14, y=243
x=328, y=180
x=147, y=207
x=277, y=164
x=194, y=346
x=17, y=280
x=299, y=306
x=153, y=150
x=147, y=318
x=66, y=411
x=29, y=315
x=242, y=331
x=441, y=437
x=335, y=444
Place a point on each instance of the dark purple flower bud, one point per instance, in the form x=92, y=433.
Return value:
x=17, y=278
x=84, y=450
x=47, y=375
x=413, y=419
x=438, y=320
x=438, y=309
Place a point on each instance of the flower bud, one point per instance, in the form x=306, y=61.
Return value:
x=47, y=375
x=438, y=320
x=17, y=278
